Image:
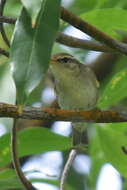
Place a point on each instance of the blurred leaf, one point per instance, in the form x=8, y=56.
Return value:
x=124, y=184
x=7, y=173
x=31, y=48
x=114, y=15
x=112, y=138
x=33, y=141
x=9, y=30
x=97, y=158
x=114, y=3
x=48, y=181
x=81, y=6
x=110, y=3
x=118, y=66
x=33, y=7
x=100, y=3
x=14, y=5
x=36, y=94
x=7, y=89
x=9, y=180
x=75, y=180
x=115, y=90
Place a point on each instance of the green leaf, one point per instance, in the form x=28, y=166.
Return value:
x=81, y=6
x=31, y=48
x=110, y=4
x=33, y=141
x=14, y=5
x=97, y=157
x=36, y=95
x=111, y=19
x=48, y=181
x=100, y=3
x=7, y=89
x=33, y=7
x=115, y=90
x=9, y=180
x=112, y=138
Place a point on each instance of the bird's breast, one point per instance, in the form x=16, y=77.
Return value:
x=76, y=93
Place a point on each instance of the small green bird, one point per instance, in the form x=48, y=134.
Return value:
x=76, y=87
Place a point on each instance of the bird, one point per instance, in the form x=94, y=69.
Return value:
x=77, y=88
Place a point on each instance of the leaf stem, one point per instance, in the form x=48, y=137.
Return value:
x=67, y=167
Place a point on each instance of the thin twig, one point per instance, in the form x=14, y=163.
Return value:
x=84, y=44
x=52, y=114
x=67, y=167
x=92, y=31
x=4, y=52
x=69, y=40
x=3, y=33
x=86, y=28
x=16, y=163
x=8, y=20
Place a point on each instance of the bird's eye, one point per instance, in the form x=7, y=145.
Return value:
x=64, y=60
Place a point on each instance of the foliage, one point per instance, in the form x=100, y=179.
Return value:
x=22, y=79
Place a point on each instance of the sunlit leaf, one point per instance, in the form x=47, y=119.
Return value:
x=82, y=6
x=113, y=138
x=9, y=180
x=101, y=17
x=33, y=141
x=110, y=3
x=14, y=5
x=33, y=7
x=115, y=90
x=97, y=158
x=7, y=90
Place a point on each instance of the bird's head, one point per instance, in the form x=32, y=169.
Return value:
x=64, y=62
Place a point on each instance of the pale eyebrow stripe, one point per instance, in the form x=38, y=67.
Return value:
x=65, y=56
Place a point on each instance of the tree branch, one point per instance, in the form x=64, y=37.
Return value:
x=4, y=52
x=8, y=20
x=16, y=163
x=52, y=114
x=92, y=31
x=69, y=40
x=86, y=28
x=84, y=44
